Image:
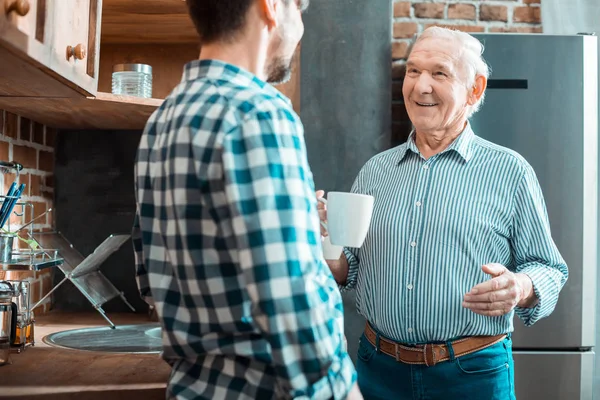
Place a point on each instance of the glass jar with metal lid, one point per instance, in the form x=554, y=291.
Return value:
x=132, y=80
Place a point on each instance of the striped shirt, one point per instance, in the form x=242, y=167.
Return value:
x=435, y=223
x=227, y=244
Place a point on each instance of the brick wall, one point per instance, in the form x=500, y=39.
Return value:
x=412, y=17
x=32, y=145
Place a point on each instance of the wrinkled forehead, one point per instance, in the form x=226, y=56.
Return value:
x=437, y=51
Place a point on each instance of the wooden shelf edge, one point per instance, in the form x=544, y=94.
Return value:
x=103, y=112
x=102, y=96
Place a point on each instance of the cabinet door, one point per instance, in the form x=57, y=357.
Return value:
x=35, y=36
x=74, y=41
x=22, y=14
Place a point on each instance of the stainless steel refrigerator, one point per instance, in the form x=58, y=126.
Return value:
x=542, y=101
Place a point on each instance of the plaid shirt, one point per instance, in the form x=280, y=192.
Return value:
x=228, y=246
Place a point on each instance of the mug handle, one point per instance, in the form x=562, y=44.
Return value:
x=323, y=224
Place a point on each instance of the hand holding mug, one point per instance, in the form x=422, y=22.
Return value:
x=322, y=208
x=345, y=217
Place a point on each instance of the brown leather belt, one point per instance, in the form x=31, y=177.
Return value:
x=430, y=354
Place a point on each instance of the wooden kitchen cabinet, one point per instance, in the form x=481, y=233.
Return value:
x=42, y=81
x=48, y=48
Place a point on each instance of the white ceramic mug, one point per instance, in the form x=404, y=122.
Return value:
x=330, y=251
x=348, y=217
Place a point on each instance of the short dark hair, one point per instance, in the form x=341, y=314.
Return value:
x=218, y=19
x=222, y=19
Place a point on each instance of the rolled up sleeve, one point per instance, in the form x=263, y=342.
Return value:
x=535, y=253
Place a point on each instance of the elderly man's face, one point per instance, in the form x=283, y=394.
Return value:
x=434, y=88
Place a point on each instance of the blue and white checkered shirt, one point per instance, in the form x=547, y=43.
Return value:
x=228, y=247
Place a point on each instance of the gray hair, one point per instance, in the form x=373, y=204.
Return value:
x=471, y=54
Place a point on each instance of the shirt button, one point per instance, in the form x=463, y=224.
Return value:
x=418, y=204
x=425, y=166
x=413, y=244
x=409, y=330
x=409, y=286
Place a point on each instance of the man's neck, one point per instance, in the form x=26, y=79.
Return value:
x=432, y=143
x=246, y=54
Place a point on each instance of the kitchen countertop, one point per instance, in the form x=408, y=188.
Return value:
x=48, y=372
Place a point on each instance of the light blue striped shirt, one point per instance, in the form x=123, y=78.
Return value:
x=435, y=223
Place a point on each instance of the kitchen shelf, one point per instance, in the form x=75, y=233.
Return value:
x=147, y=21
x=105, y=111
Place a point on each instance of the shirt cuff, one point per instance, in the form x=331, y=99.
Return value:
x=352, y=271
x=546, y=290
x=336, y=384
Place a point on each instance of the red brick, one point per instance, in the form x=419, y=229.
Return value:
x=403, y=30
x=50, y=137
x=39, y=208
x=397, y=91
x=1, y=122
x=461, y=11
x=35, y=291
x=34, y=185
x=48, y=195
x=25, y=129
x=462, y=28
x=49, y=181
x=399, y=112
x=400, y=132
x=21, y=245
x=46, y=281
x=4, y=151
x=46, y=161
x=50, y=217
x=429, y=10
x=399, y=50
x=398, y=70
x=14, y=221
x=19, y=275
x=7, y=182
x=26, y=156
x=402, y=9
x=45, y=307
x=493, y=13
x=12, y=125
x=519, y=29
x=527, y=14
x=24, y=178
x=38, y=133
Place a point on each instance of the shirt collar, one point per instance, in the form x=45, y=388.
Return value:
x=220, y=70
x=461, y=145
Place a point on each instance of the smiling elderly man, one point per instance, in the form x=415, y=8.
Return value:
x=459, y=242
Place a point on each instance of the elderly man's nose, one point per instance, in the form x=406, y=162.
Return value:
x=423, y=83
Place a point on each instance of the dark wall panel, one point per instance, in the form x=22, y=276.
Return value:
x=345, y=91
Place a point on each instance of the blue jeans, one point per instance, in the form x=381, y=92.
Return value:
x=484, y=375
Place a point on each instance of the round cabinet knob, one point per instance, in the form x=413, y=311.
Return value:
x=20, y=7
x=78, y=52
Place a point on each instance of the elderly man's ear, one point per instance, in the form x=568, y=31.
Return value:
x=477, y=91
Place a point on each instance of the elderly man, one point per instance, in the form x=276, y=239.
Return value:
x=459, y=242
x=227, y=226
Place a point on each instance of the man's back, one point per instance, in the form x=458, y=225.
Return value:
x=228, y=246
